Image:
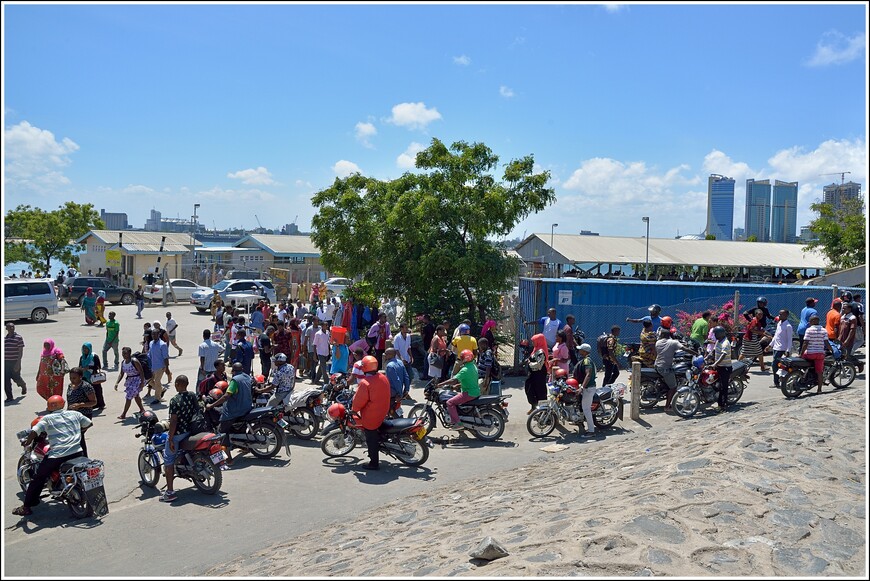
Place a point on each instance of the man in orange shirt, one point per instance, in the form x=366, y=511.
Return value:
x=372, y=403
x=832, y=320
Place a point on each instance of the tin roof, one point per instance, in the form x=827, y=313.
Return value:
x=282, y=245
x=143, y=241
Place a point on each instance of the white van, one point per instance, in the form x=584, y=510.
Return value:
x=33, y=299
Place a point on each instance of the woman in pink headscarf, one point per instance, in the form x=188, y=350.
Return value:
x=487, y=333
x=52, y=368
x=539, y=367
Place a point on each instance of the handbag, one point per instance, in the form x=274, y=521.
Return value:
x=98, y=377
x=436, y=360
x=59, y=367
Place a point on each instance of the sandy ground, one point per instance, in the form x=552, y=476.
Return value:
x=778, y=489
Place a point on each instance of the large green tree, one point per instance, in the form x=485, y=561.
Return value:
x=427, y=236
x=840, y=231
x=39, y=236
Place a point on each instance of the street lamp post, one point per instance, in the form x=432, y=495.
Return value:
x=553, y=250
x=193, y=239
x=646, y=219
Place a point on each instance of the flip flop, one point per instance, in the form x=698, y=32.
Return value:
x=22, y=511
x=122, y=417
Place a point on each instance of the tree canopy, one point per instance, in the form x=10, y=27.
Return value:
x=425, y=236
x=41, y=236
x=840, y=231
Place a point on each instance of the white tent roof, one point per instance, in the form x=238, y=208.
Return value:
x=574, y=249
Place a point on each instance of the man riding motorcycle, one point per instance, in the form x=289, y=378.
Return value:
x=237, y=401
x=284, y=380
x=372, y=402
x=467, y=379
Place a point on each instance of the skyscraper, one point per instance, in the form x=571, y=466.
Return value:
x=783, y=224
x=758, y=209
x=836, y=194
x=720, y=206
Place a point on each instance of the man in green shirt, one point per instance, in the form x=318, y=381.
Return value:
x=584, y=373
x=112, y=330
x=700, y=328
x=467, y=380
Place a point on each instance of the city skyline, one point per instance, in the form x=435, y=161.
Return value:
x=249, y=110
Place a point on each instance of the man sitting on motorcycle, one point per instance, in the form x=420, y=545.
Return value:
x=372, y=402
x=467, y=380
x=239, y=401
x=284, y=380
x=185, y=416
x=64, y=429
x=666, y=348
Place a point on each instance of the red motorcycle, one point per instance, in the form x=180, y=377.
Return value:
x=403, y=439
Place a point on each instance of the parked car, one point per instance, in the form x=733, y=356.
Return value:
x=75, y=290
x=182, y=288
x=201, y=299
x=33, y=299
x=336, y=286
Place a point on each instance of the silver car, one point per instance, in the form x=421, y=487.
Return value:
x=182, y=288
x=226, y=288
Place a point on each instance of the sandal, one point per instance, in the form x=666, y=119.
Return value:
x=122, y=417
x=22, y=511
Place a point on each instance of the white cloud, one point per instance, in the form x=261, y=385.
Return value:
x=836, y=48
x=344, y=168
x=462, y=60
x=407, y=159
x=235, y=196
x=34, y=158
x=140, y=190
x=413, y=115
x=364, y=131
x=506, y=92
x=304, y=184
x=610, y=7
x=254, y=177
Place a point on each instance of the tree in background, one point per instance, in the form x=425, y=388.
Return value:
x=840, y=232
x=752, y=238
x=426, y=237
x=710, y=237
x=41, y=236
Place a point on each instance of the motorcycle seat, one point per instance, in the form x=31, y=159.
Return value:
x=737, y=368
x=72, y=463
x=191, y=442
x=484, y=400
x=256, y=414
x=797, y=362
x=398, y=425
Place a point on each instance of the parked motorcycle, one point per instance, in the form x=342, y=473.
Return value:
x=486, y=415
x=702, y=387
x=200, y=459
x=78, y=482
x=303, y=412
x=564, y=405
x=653, y=388
x=799, y=375
x=403, y=439
x=261, y=431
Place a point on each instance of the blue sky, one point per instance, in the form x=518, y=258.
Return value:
x=249, y=109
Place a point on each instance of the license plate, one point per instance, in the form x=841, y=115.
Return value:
x=92, y=482
x=282, y=422
x=95, y=472
x=218, y=457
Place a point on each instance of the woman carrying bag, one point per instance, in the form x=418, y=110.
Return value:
x=93, y=373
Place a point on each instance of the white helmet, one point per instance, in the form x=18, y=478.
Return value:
x=585, y=347
x=280, y=358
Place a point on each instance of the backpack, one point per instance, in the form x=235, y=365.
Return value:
x=143, y=360
x=602, y=344
x=495, y=370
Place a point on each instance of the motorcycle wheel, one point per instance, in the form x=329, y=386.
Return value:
x=422, y=410
x=78, y=503
x=206, y=477
x=649, y=395
x=494, y=431
x=311, y=426
x=542, y=422
x=414, y=452
x=844, y=374
x=269, y=440
x=338, y=444
x=735, y=391
x=149, y=469
x=26, y=475
x=612, y=410
x=686, y=403
x=789, y=386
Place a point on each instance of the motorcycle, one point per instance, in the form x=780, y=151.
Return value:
x=486, y=415
x=78, y=482
x=403, y=439
x=653, y=388
x=303, y=412
x=260, y=431
x=564, y=405
x=702, y=387
x=799, y=375
x=200, y=459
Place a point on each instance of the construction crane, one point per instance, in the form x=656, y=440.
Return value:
x=842, y=175
x=258, y=222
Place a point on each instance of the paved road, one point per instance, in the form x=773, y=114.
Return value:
x=261, y=502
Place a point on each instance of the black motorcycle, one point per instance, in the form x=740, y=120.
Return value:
x=485, y=415
x=800, y=374
x=260, y=431
x=702, y=388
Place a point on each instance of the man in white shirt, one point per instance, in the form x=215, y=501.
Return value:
x=402, y=345
x=209, y=352
x=171, y=328
x=321, y=347
x=781, y=344
x=550, y=326
x=282, y=312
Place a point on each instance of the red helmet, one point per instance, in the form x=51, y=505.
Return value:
x=369, y=364
x=667, y=322
x=337, y=411
x=221, y=385
x=55, y=403
x=573, y=383
x=560, y=373
x=466, y=355
x=260, y=378
x=216, y=394
x=35, y=421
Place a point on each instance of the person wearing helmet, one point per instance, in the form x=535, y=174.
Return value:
x=461, y=343
x=584, y=373
x=64, y=429
x=666, y=348
x=239, y=401
x=722, y=362
x=132, y=369
x=466, y=379
x=284, y=380
x=372, y=402
x=550, y=326
x=653, y=317
x=761, y=304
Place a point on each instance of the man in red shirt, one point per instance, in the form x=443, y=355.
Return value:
x=372, y=403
